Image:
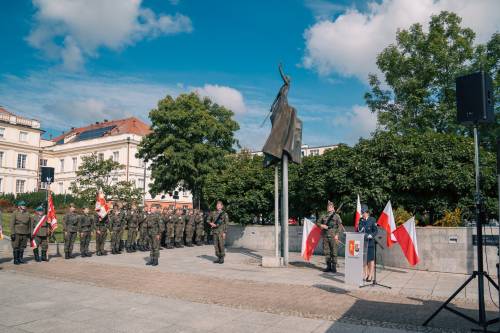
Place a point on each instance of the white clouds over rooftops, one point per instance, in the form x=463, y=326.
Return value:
x=86, y=25
x=349, y=44
x=226, y=96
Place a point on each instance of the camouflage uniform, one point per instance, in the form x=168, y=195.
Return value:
x=21, y=226
x=133, y=223
x=220, y=219
x=101, y=226
x=199, y=227
x=155, y=227
x=330, y=246
x=116, y=226
x=85, y=228
x=170, y=229
x=179, y=230
x=189, y=229
x=70, y=231
x=124, y=214
x=41, y=239
x=143, y=232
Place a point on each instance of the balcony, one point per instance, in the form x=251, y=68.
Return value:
x=15, y=120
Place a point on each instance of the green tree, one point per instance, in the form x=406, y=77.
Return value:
x=95, y=174
x=420, y=70
x=190, y=137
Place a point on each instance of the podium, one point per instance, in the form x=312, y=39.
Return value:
x=355, y=258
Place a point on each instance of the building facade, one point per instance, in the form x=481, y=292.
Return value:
x=23, y=152
x=307, y=150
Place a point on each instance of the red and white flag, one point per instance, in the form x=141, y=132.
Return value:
x=101, y=206
x=387, y=221
x=357, y=216
x=36, y=230
x=406, y=235
x=51, y=213
x=311, y=234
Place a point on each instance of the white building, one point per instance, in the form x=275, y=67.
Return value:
x=23, y=152
x=306, y=150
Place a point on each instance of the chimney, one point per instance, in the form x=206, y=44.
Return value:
x=97, y=123
x=105, y=120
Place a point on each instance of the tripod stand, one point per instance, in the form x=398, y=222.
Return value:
x=480, y=274
x=375, y=283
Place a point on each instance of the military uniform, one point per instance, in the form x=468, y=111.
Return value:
x=41, y=238
x=143, y=232
x=179, y=230
x=369, y=227
x=132, y=225
x=330, y=246
x=189, y=228
x=199, y=227
x=155, y=227
x=85, y=228
x=220, y=219
x=169, y=221
x=21, y=226
x=101, y=227
x=115, y=225
x=124, y=219
x=71, y=220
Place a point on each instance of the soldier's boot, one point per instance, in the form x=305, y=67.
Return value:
x=150, y=262
x=104, y=253
x=155, y=262
x=66, y=255
x=328, y=267
x=334, y=267
x=98, y=253
x=71, y=255
x=221, y=260
x=217, y=261
x=21, y=257
x=189, y=244
x=88, y=254
x=83, y=254
x=37, y=255
x=44, y=256
x=198, y=243
x=15, y=253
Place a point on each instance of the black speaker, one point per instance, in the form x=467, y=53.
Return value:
x=475, y=99
x=47, y=175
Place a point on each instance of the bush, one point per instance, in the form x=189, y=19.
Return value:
x=401, y=216
x=450, y=219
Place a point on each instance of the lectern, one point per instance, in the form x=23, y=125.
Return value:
x=355, y=258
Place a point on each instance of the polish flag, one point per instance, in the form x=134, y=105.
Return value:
x=101, y=206
x=51, y=213
x=311, y=234
x=36, y=230
x=357, y=216
x=387, y=221
x=406, y=235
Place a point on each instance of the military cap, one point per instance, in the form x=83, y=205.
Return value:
x=21, y=204
x=39, y=209
x=364, y=209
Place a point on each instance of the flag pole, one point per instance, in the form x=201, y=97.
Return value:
x=284, y=208
x=276, y=211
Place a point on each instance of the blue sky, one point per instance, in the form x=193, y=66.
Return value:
x=69, y=63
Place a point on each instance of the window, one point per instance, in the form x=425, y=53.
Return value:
x=314, y=152
x=1, y=158
x=61, y=188
x=43, y=162
x=116, y=156
x=21, y=162
x=62, y=164
x=20, y=185
x=140, y=183
x=23, y=136
x=75, y=163
x=2, y=132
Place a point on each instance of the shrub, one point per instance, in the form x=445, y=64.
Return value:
x=450, y=219
x=401, y=215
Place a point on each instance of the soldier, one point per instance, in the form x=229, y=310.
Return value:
x=124, y=214
x=70, y=231
x=155, y=227
x=115, y=225
x=218, y=221
x=368, y=225
x=132, y=225
x=170, y=228
x=189, y=230
x=143, y=230
x=179, y=228
x=41, y=236
x=199, y=227
x=330, y=225
x=21, y=226
x=208, y=229
x=164, y=218
x=85, y=228
x=101, y=233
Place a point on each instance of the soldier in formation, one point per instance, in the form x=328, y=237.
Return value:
x=115, y=226
x=199, y=227
x=41, y=238
x=143, y=237
x=132, y=225
x=189, y=228
x=155, y=227
x=21, y=224
x=70, y=224
x=179, y=228
x=85, y=228
x=330, y=225
x=218, y=221
x=101, y=233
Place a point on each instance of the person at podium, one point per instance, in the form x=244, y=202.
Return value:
x=368, y=226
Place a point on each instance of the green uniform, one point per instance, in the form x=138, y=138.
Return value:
x=41, y=239
x=189, y=229
x=132, y=225
x=115, y=225
x=179, y=230
x=124, y=219
x=169, y=221
x=220, y=219
x=199, y=228
x=101, y=227
x=330, y=246
x=85, y=228
x=21, y=226
x=70, y=221
x=143, y=232
x=155, y=227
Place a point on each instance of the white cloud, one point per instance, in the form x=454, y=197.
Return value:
x=359, y=122
x=87, y=25
x=323, y=9
x=225, y=96
x=349, y=44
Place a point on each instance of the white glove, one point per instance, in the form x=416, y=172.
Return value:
x=370, y=236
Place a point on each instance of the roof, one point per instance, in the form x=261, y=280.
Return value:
x=2, y=110
x=130, y=125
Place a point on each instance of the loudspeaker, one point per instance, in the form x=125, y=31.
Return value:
x=475, y=98
x=47, y=175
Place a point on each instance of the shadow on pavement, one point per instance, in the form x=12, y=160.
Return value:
x=209, y=258
x=331, y=289
x=303, y=264
x=245, y=251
